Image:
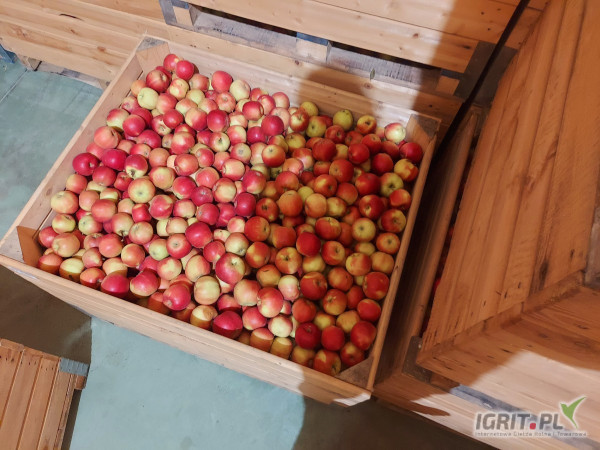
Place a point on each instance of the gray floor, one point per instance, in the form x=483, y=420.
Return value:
x=142, y=394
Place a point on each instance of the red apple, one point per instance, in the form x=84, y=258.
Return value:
x=313, y=285
x=363, y=334
x=228, y=324
x=351, y=355
x=230, y=268
x=308, y=335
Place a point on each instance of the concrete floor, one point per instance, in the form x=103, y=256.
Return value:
x=142, y=394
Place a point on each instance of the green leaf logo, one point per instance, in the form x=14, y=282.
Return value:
x=569, y=410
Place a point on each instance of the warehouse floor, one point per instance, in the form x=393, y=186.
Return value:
x=141, y=393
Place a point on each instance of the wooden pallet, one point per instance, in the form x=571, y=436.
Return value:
x=36, y=390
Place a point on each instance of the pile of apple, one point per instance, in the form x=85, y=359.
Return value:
x=221, y=205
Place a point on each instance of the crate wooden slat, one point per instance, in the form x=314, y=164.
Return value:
x=516, y=314
x=483, y=20
x=34, y=419
x=35, y=397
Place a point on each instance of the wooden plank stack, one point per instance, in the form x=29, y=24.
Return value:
x=35, y=397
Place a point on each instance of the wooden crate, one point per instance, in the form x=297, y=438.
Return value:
x=35, y=397
x=19, y=250
x=516, y=315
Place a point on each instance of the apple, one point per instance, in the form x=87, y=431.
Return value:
x=334, y=302
x=230, y=268
x=269, y=302
x=144, y=284
x=368, y=310
x=313, y=264
x=351, y=355
x=315, y=205
x=366, y=124
x=363, y=334
x=64, y=202
x=141, y=233
x=273, y=155
x=308, y=244
x=268, y=209
x=280, y=326
x=282, y=347
x=85, y=163
x=198, y=234
x=262, y=339
x=358, y=264
x=393, y=221
x=376, y=285
x=254, y=182
x=141, y=190
x=228, y=324
x=347, y=320
x=115, y=284
x=282, y=236
x=347, y=192
x=382, y=163
x=364, y=230
x=207, y=290
x=46, y=236
x=313, y=285
x=303, y=356
x=221, y=81
x=290, y=204
x=91, y=258
x=106, y=137
x=333, y=253
x=92, y=277
x=358, y=153
x=299, y=120
x=289, y=286
x=257, y=255
x=237, y=244
x=382, y=262
x=196, y=267
x=157, y=249
x=389, y=183
x=333, y=338
x=50, y=262
x=355, y=294
x=253, y=319
x=203, y=315
x=257, y=229
x=288, y=260
x=308, y=335
x=395, y=132
x=103, y=210
x=169, y=268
